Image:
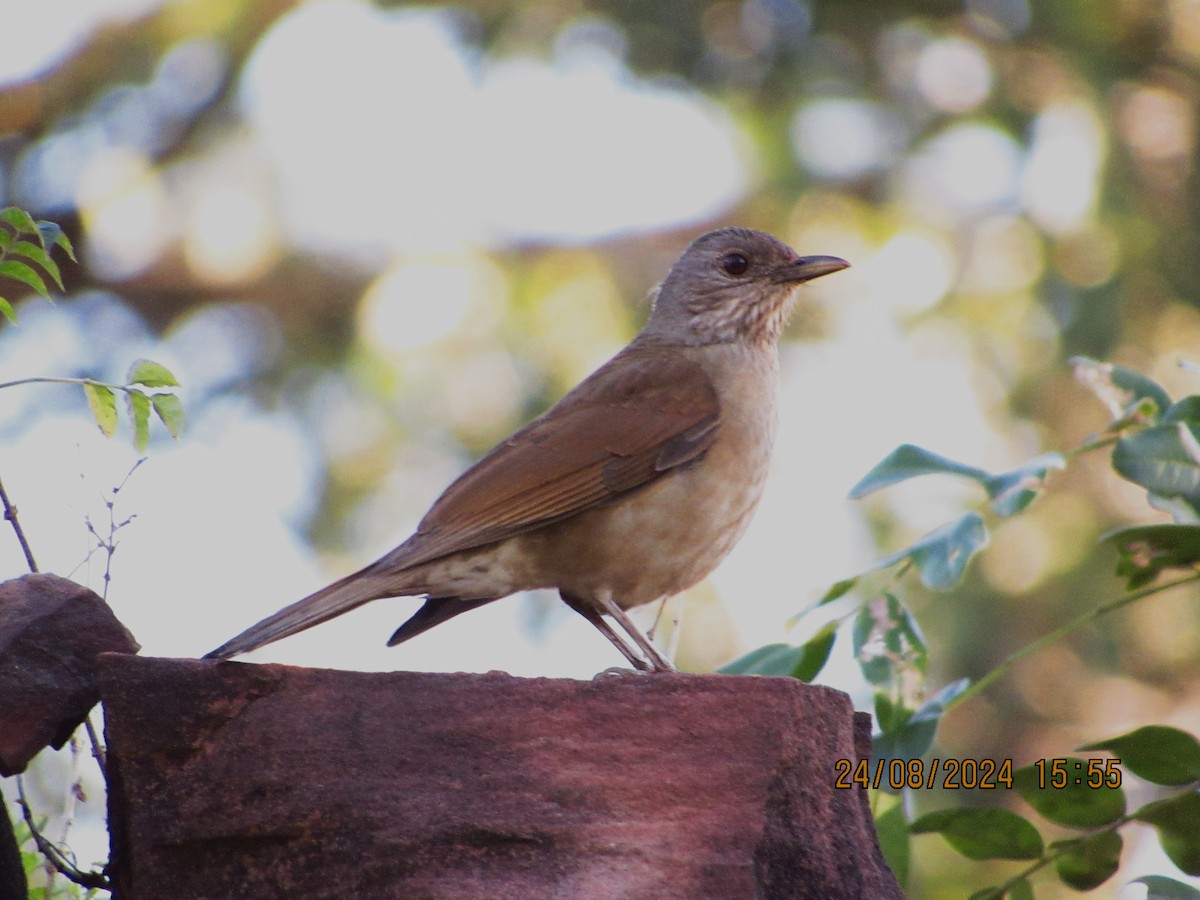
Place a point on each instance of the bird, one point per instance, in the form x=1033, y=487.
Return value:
x=631, y=488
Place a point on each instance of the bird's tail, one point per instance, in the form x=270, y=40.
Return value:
x=339, y=597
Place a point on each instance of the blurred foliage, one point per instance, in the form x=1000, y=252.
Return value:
x=1011, y=177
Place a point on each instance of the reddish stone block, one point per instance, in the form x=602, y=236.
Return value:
x=51, y=631
x=236, y=780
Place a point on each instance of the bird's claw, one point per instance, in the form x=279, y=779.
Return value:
x=618, y=672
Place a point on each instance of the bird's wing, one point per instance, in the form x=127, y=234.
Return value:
x=631, y=422
x=635, y=419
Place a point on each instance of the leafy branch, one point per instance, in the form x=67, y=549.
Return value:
x=143, y=393
x=1087, y=796
x=1154, y=443
x=25, y=248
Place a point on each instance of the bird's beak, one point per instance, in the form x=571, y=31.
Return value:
x=806, y=268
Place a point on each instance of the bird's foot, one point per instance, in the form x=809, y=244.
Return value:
x=618, y=672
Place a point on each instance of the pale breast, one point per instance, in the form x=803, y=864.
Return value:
x=669, y=535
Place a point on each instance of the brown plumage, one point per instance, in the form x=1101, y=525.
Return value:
x=631, y=488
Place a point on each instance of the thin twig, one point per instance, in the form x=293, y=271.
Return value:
x=109, y=544
x=10, y=513
x=128, y=475
x=1063, y=630
x=49, y=850
x=97, y=748
x=47, y=379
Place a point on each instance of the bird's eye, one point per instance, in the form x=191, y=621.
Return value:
x=734, y=264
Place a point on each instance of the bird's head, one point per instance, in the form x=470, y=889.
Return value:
x=733, y=284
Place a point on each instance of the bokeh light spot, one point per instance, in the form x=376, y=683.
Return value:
x=414, y=303
x=125, y=210
x=1087, y=257
x=1157, y=123
x=954, y=74
x=912, y=271
x=842, y=139
x=229, y=235
x=1005, y=255
x=967, y=170
x=1065, y=157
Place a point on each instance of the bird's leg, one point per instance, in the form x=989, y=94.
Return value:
x=662, y=608
x=657, y=660
x=590, y=613
x=676, y=623
x=676, y=628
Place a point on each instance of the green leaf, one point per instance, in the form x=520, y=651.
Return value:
x=887, y=640
x=838, y=590
x=1177, y=821
x=1145, y=550
x=20, y=220
x=890, y=715
x=1160, y=887
x=1009, y=491
x=1140, y=386
x=6, y=239
x=1087, y=863
x=835, y=592
x=941, y=556
x=909, y=461
x=7, y=309
x=815, y=653
x=103, y=404
x=36, y=254
x=53, y=236
x=804, y=662
x=139, y=413
x=1012, y=491
x=770, y=659
x=151, y=374
x=894, y=840
x=1015, y=501
x=1165, y=460
x=1185, y=410
x=1157, y=753
x=18, y=271
x=1118, y=387
x=170, y=411
x=1078, y=803
x=983, y=833
x=913, y=739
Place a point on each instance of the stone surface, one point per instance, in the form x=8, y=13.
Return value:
x=237, y=780
x=12, y=872
x=51, y=630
